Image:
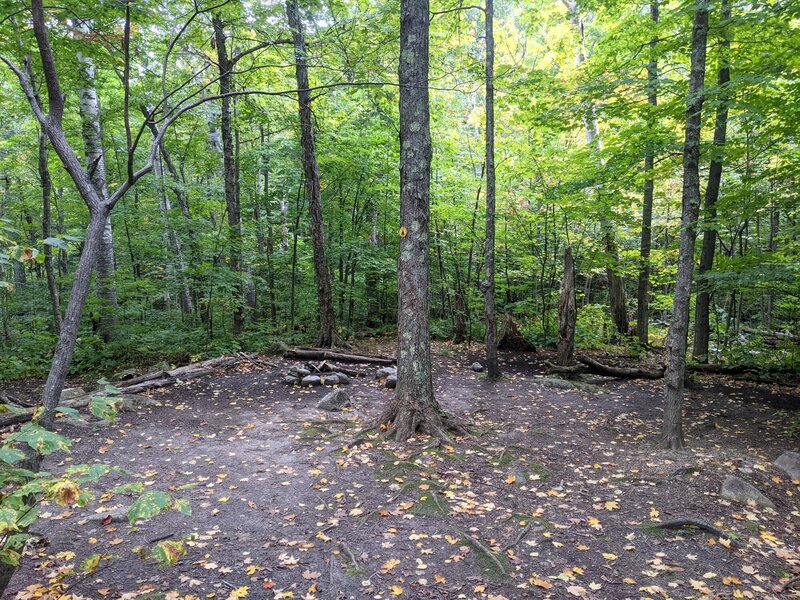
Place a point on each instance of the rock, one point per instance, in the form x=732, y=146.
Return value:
x=277, y=348
x=72, y=393
x=311, y=380
x=336, y=400
x=790, y=462
x=391, y=382
x=303, y=372
x=330, y=379
x=477, y=367
x=114, y=515
x=134, y=401
x=124, y=375
x=291, y=380
x=343, y=379
x=739, y=490
x=386, y=372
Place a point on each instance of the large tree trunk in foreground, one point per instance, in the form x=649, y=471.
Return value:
x=567, y=313
x=327, y=319
x=230, y=174
x=492, y=368
x=96, y=166
x=702, y=305
x=643, y=289
x=672, y=432
x=414, y=408
x=47, y=188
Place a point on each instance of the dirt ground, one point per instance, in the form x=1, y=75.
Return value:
x=557, y=495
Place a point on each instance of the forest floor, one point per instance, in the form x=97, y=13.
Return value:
x=557, y=495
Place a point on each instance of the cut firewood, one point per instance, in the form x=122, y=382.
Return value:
x=322, y=354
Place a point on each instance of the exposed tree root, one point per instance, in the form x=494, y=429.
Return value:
x=701, y=525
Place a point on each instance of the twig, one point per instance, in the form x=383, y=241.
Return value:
x=160, y=538
x=520, y=536
x=789, y=584
x=480, y=546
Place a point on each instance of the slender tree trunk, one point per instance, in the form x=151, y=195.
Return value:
x=567, y=312
x=327, y=319
x=47, y=188
x=672, y=432
x=96, y=166
x=268, y=239
x=643, y=289
x=616, y=286
x=414, y=407
x=492, y=366
x=703, y=300
x=230, y=174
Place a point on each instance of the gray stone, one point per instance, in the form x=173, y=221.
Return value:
x=311, y=380
x=72, y=393
x=477, y=367
x=134, y=401
x=790, y=463
x=117, y=514
x=331, y=379
x=391, y=382
x=303, y=372
x=291, y=380
x=386, y=372
x=739, y=490
x=343, y=379
x=336, y=400
x=124, y=375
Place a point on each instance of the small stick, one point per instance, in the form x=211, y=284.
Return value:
x=520, y=536
x=479, y=545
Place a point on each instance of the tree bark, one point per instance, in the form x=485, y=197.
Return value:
x=414, y=407
x=230, y=174
x=47, y=188
x=643, y=288
x=492, y=367
x=702, y=325
x=672, y=431
x=567, y=313
x=327, y=320
x=96, y=166
x=616, y=286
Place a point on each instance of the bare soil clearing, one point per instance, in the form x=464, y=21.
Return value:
x=558, y=494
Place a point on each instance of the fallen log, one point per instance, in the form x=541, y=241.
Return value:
x=150, y=381
x=599, y=368
x=321, y=354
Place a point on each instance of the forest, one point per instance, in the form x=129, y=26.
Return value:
x=500, y=277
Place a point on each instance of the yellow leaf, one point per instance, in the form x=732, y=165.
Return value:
x=511, y=479
x=594, y=523
x=654, y=513
x=240, y=592
x=439, y=579
x=389, y=565
x=479, y=589
x=610, y=556
x=396, y=590
x=542, y=583
x=611, y=505
x=66, y=492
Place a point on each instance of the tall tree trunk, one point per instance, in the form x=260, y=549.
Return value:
x=672, y=432
x=492, y=367
x=702, y=323
x=47, y=188
x=643, y=289
x=96, y=166
x=327, y=320
x=414, y=407
x=174, y=242
x=230, y=174
x=267, y=241
x=616, y=286
x=567, y=312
